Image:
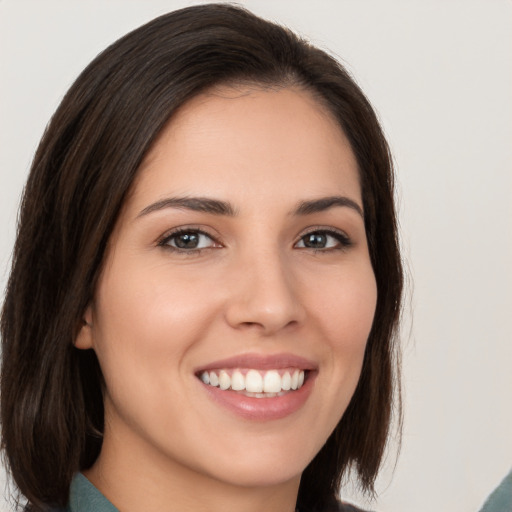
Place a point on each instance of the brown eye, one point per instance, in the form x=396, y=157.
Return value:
x=315, y=240
x=189, y=240
x=186, y=240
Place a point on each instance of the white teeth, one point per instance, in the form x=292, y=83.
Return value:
x=214, y=380
x=272, y=382
x=295, y=379
x=237, y=381
x=286, y=382
x=256, y=383
x=253, y=382
x=224, y=380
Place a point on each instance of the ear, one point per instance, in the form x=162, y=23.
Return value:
x=84, y=338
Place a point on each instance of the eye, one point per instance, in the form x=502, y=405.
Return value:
x=324, y=240
x=188, y=240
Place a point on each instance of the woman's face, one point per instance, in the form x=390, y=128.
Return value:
x=240, y=257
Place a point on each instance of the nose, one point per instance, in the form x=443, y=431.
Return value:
x=263, y=295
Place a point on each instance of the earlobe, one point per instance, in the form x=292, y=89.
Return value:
x=84, y=338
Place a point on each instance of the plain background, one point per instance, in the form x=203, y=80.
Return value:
x=440, y=75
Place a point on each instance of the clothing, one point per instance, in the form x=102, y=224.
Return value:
x=85, y=497
x=501, y=499
x=340, y=507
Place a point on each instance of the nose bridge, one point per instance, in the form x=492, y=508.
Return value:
x=265, y=292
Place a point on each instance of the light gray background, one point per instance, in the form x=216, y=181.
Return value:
x=440, y=75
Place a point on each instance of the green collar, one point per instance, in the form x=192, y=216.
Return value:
x=84, y=497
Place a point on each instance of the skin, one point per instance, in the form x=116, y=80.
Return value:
x=253, y=287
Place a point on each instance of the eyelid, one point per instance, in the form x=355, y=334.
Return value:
x=324, y=229
x=163, y=240
x=343, y=238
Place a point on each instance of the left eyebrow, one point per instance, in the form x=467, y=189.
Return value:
x=325, y=203
x=197, y=204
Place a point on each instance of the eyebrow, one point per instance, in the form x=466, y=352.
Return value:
x=218, y=207
x=325, y=203
x=197, y=204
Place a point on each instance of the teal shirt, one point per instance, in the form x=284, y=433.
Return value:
x=501, y=499
x=84, y=497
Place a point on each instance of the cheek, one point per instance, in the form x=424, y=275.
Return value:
x=148, y=300
x=143, y=329
x=345, y=309
x=144, y=321
x=344, y=315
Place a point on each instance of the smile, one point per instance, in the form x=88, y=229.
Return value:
x=259, y=387
x=256, y=383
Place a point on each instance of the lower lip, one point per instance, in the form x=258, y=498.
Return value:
x=262, y=409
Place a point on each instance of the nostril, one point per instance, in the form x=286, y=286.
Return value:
x=267, y=326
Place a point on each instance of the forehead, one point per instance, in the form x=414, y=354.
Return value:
x=242, y=141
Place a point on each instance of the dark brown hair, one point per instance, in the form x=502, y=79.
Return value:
x=51, y=401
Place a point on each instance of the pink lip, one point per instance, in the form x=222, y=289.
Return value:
x=261, y=362
x=262, y=409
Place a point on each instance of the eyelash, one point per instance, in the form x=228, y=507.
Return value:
x=164, y=242
x=342, y=239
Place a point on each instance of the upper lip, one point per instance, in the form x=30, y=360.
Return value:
x=261, y=362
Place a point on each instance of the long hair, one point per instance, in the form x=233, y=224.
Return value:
x=51, y=402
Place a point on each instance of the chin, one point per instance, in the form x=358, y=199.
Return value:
x=263, y=470
x=261, y=476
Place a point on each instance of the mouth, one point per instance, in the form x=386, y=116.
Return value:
x=256, y=383
x=259, y=387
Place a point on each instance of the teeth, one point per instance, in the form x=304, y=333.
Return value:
x=272, y=382
x=237, y=381
x=224, y=380
x=214, y=380
x=295, y=379
x=301, y=380
x=259, y=384
x=286, y=381
x=253, y=382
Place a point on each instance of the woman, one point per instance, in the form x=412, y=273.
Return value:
x=206, y=280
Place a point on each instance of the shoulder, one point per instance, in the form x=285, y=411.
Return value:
x=347, y=507
x=29, y=508
x=338, y=506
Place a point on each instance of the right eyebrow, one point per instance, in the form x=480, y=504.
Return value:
x=325, y=203
x=197, y=204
